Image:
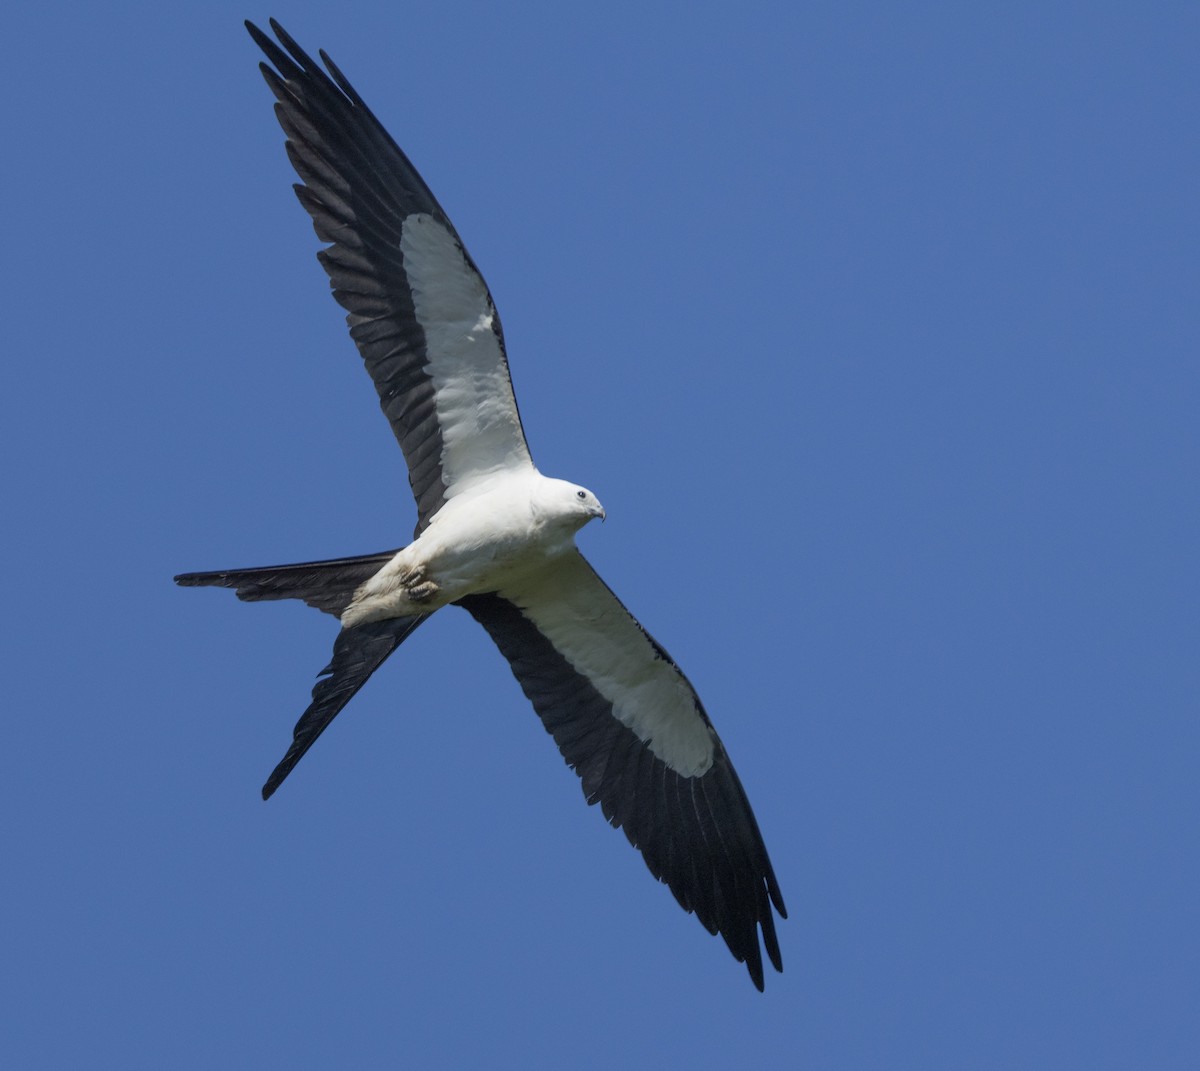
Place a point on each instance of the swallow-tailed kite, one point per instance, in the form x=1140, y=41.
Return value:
x=493, y=534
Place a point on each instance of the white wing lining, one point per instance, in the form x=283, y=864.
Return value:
x=476, y=408
x=575, y=610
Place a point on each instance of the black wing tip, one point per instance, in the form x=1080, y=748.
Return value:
x=263, y=39
x=751, y=955
x=291, y=60
x=753, y=958
x=696, y=836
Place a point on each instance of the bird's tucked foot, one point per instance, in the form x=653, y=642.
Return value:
x=416, y=587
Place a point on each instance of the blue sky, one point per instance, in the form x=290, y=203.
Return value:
x=875, y=328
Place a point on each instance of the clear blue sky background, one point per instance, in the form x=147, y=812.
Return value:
x=874, y=326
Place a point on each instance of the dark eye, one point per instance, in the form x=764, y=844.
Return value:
x=581, y=494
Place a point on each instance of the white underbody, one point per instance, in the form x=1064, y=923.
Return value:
x=485, y=538
x=505, y=528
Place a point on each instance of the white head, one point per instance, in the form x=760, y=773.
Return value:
x=558, y=502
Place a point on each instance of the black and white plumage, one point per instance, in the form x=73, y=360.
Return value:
x=493, y=535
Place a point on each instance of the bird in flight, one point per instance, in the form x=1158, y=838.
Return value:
x=493, y=534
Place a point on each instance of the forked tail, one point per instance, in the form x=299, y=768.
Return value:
x=327, y=585
x=357, y=651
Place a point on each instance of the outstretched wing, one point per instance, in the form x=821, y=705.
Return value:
x=418, y=309
x=631, y=725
